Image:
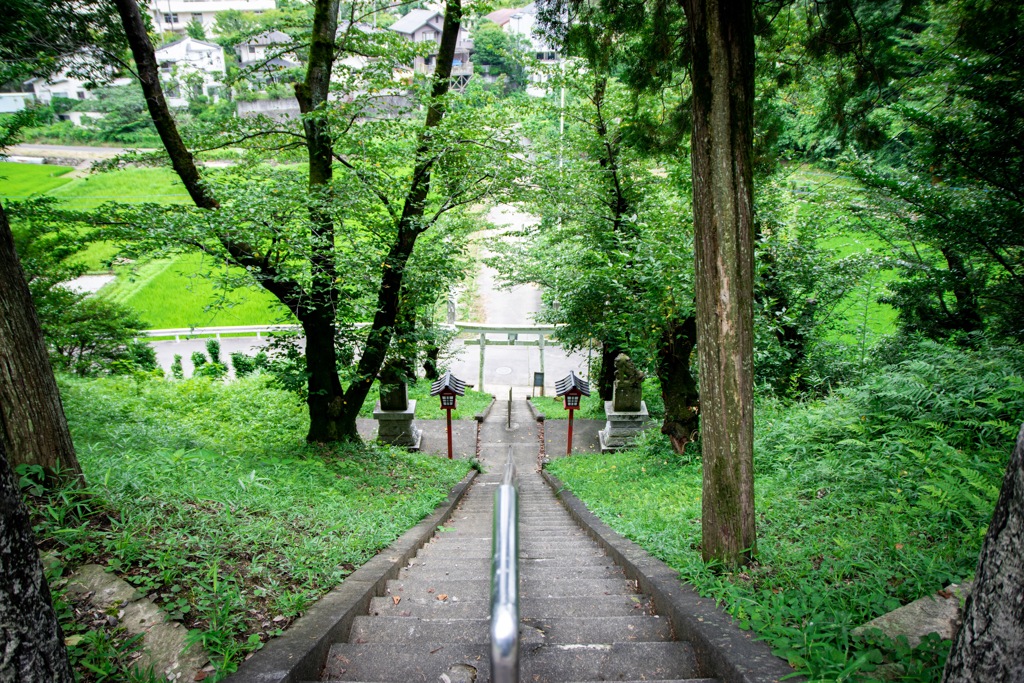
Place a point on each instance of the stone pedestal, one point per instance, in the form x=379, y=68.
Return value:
x=398, y=427
x=622, y=427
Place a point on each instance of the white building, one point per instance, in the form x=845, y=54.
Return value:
x=424, y=25
x=176, y=15
x=267, y=47
x=59, y=85
x=11, y=102
x=522, y=21
x=190, y=68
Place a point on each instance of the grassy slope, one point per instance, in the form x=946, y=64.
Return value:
x=21, y=181
x=206, y=497
x=429, y=407
x=166, y=294
x=868, y=500
x=861, y=310
x=198, y=301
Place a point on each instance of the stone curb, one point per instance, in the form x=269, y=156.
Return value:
x=723, y=650
x=299, y=654
x=535, y=411
x=481, y=416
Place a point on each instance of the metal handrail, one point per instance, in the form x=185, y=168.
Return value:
x=505, y=579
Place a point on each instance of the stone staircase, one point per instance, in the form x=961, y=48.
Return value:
x=581, y=619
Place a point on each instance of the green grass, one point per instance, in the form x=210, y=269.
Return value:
x=172, y=294
x=429, y=407
x=592, y=407
x=865, y=501
x=21, y=181
x=159, y=185
x=205, y=496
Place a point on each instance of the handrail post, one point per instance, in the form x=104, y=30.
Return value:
x=505, y=579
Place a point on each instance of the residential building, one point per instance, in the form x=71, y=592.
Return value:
x=267, y=47
x=190, y=68
x=59, y=85
x=424, y=26
x=522, y=21
x=175, y=15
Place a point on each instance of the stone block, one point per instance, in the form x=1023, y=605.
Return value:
x=398, y=427
x=938, y=613
x=621, y=427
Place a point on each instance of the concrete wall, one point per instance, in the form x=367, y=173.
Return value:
x=276, y=109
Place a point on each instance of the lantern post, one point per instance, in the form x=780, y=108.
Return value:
x=448, y=387
x=571, y=388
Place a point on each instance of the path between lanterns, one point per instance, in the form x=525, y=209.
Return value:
x=581, y=619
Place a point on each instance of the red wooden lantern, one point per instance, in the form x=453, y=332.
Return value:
x=448, y=387
x=571, y=388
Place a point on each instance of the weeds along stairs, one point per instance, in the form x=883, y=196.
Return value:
x=580, y=618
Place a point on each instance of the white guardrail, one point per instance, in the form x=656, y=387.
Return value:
x=259, y=330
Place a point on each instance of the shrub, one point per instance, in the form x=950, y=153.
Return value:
x=213, y=348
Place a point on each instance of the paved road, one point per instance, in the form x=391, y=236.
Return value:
x=67, y=151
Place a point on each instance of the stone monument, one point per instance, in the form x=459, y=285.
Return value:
x=395, y=413
x=626, y=412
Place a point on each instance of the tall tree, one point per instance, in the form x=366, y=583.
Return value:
x=313, y=298
x=32, y=422
x=33, y=642
x=989, y=645
x=722, y=77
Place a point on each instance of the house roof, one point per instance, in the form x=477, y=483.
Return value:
x=501, y=16
x=191, y=41
x=413, y=20
x=268, y=38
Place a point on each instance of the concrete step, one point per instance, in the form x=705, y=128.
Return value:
x=434, y=553
x=565, y=572
x=563, y=547
x=558, y=630
x=483, y=563
x=662, y=680
x=429, y=607
x=426, y=661
x=481, y=588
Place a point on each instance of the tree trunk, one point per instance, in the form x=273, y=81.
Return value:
x=324, y=397
x=678, y=386
x=33, y=642
x=149, y=77
x=32, y=422
x=722, y=75
x=606, y=376
x=315, y=309
x=989, y=645
x=410, y=225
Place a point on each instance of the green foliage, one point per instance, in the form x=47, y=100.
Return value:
x=85, y=335
x=213, y=348
x=869, y=499
x=205, y=496
x=245, y=365
x=195, y=30
x=429, y=407
x=501, y=52
x=20, y=181
x=177, y=372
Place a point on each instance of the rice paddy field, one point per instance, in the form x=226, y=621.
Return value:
x=183, y=291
